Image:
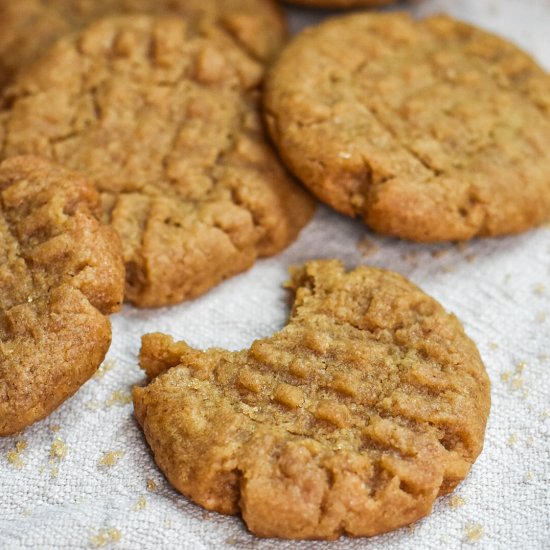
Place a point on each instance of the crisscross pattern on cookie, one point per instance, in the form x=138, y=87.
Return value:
x=353, y=418
x=28, y=27
x=163, y=117
x=61, y=272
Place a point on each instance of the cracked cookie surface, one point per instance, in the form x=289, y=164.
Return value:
x=27, y=27
x=352, y=419
x=61, y=273
x=428, y=130
x=163, y=116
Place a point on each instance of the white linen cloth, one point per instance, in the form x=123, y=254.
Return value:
x=64, y=497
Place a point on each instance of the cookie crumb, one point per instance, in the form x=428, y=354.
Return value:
x=541, y=317
x=512, y=440
x=457, y=501
x=367, y=247
x=58, y=450
x=14, y=456
x=514, y=379
x=110, y=458
x=517, y=383
x=151, y=485
x=104, y=368
x=474, y=531
x=93, y=405
x=493, y=345
x=120, y=398
x=440, y=253
x=105, y=537
x=141, y=504
x=26, y=512
x=520, y=367
x=447, y=269
x=55, y=428
x=528, y=475
x=167, y=523
x=544, y=415
x=539, y=289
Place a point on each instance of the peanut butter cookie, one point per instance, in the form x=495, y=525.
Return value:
x=369, y=404
x=27, y=27
x=163, y=116
x=428, y=130
x=61, y=273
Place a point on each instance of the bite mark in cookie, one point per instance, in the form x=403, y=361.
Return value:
x=369, y=404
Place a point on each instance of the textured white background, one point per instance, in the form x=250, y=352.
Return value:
x=500, y=288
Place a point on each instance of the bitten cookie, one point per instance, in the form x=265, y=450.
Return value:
x=61, y=273
x=427, y=130
x=369, y=404
x=163, y=116
x=28, y=27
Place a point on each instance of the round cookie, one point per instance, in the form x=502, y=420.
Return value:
x=61, y=273
x=369, y=404
x=28, y=27
x=428, y=130
x=164, y=117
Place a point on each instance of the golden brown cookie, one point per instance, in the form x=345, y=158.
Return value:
x=369, y=404
x=427, y=130
x=27, y=27
x=164, y=118
x=61, y=273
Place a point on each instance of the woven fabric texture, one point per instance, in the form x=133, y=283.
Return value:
x=85, y=478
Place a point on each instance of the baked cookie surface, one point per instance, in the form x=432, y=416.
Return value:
x=428, y=130
x=61, y=273
x=163, y=116
x=352, y=419
x=27, y=27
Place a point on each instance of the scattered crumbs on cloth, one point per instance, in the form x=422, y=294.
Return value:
x=120, y=398
x=110, y=458
x=104, y=368
x=474, y=531
x=457, y=501
x=58, y=450
x=14, y=455
x=105, y=537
